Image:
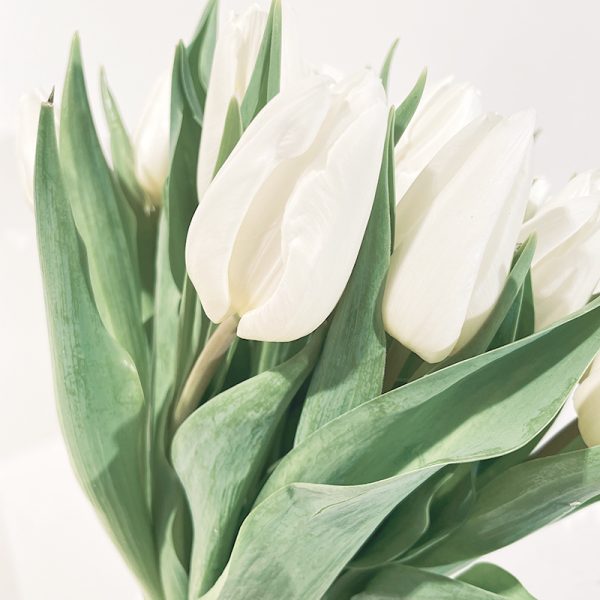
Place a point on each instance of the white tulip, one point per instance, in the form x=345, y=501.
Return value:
x=566, y=265
x=236, y=51
x=151, y=140
x=538, y=195
x=587, y=405
x=276, y=236
x=449, y=108
x=456, y=231
x=27, y=126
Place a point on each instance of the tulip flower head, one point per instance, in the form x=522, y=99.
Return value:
x=277, y=233
x=566, y=266
x=449, y=108
x=456, y=231
x=151, y=140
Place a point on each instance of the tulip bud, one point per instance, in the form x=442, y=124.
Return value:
x=236, y=51
x=27, y=126
x=275, y=237
x=456, y=231
x=151, y=140
x=586, y=402
x=448, y=109
x=565, y=268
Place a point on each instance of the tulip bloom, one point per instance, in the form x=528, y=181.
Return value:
x=151, y=140
x=587, y=405
x=236, y=50
x=29, y=115
x=456, y=231
x=566, y=265
x=276, y=236
x=448, y=109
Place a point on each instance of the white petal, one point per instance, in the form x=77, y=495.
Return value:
x=565, y=279
x=450, y=108
x=235, y=55
x=444, y=227
x=27, y=126
x=322, y=231
x=583, y=184
x=538, y=195
x=151, y=140
x=282, y=131
x=587, y=404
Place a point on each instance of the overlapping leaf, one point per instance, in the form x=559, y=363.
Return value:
x=99, y=394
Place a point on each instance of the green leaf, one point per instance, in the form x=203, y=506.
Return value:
x=405, y=112
x=99, y=394
x=526, y=324
x=400, y=582
x=350, y=369
x=220, y=451
x=520, y=501
x=202, y=49
x=122, y=152
x=402, y=528
x=313, y=514
x=494, y=579
x=385, y=70
x=232, y=131
x=97, y=213
x=265, y=79
x=146, y=217
x=181, y=198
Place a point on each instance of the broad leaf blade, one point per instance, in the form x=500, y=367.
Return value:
x=300, y=536
x=400, y=582
x=220, y=451
x=99, y=395
x=494, y=579
x=519, y=501
x=96, y=210
x=350, y=369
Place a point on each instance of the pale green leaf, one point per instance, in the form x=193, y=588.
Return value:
x=519, y=501
x=494, y=579
x=97, y=213
x=98, y=391
x=406, y=110
x=359, y=466
x=219, y=453
x=387, y=63
x=400, y=582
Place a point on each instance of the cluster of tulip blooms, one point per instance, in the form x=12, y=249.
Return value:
x=263, y=311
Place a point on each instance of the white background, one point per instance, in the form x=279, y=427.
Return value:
x=543, y=54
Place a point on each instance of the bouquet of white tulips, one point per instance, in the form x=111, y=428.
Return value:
x=307, y=344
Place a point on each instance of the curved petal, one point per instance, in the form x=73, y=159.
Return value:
x=281, y=132
x=322, y=231
x=438, y=260
x=450, y=108
x=565, y=279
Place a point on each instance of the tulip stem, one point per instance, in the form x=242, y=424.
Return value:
x=204, y=368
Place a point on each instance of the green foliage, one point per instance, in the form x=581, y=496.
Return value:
x=295, y=477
